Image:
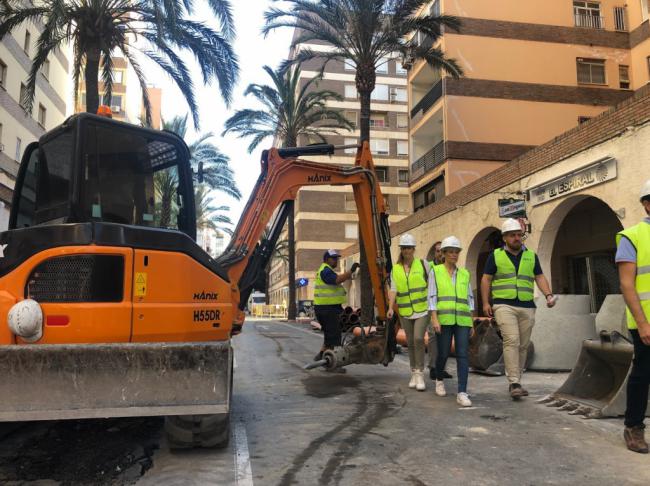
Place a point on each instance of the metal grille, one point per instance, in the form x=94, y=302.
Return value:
x=77, y=278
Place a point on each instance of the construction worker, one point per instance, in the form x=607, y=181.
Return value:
x=329, y=297
x=633, y=260
x=508, y=283
x=409, y=286
x=436, y=253
x=451, y=303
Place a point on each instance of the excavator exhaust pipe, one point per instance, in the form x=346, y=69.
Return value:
x=597, y=385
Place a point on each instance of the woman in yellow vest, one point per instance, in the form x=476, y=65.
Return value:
x=451, y=303
x=409, y=287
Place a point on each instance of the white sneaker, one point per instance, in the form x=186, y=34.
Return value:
x=440, y=388
x=463, y=400
x=419, y=381
x=414, y=379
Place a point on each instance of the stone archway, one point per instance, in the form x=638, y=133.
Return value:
x=577, y=248
x=478, y=250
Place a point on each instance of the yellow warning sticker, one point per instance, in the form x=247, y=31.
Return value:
x=140, y=284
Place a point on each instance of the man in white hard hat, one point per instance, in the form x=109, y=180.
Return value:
x=507, y=289
x=633, y=260
x=329, y=297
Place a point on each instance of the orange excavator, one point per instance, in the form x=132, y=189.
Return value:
x=109, y=308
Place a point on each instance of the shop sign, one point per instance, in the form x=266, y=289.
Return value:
x=602, y=171
x=512, y=208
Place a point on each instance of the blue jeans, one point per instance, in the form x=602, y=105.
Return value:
x=461, y=338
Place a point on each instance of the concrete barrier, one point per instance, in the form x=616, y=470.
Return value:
x=611, y=316
x=559, y=332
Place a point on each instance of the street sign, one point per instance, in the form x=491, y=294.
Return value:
x=302, y=282
x=512, y=208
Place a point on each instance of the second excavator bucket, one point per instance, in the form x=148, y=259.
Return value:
x=597, y=384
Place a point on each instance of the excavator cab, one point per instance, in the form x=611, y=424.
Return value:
x=94, y=169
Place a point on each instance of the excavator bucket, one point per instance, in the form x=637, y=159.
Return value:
x=597, y=384
x=71, y=381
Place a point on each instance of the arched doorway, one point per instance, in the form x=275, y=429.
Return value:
x=486, y=241
x=580, y=234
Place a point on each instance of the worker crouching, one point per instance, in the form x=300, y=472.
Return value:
x=409, y=288
x=451, y=303
x=329, y=297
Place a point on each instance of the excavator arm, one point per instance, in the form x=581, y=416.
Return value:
x=283, y=174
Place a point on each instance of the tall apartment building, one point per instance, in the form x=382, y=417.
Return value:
x=126, y=100
x=325, y=216
x=17, y=126
x=532, y=71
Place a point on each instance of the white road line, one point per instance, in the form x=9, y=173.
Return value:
x=243, y=470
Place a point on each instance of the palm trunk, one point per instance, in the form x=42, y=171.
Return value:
x=367, y=298
x=91, y=73
x=291, y=311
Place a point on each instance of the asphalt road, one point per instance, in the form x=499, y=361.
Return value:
x=366, y=427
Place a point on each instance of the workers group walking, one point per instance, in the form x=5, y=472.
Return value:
x=633, y=261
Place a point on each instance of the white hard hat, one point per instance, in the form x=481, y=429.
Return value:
x=406, y=240
x=645, y=190
x=451, y=242
x=510, y=224
x=25, y=319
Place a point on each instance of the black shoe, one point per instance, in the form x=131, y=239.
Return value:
x=516, y=391
x=432, y=374
x=318, y=356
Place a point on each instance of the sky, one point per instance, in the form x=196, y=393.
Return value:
x=254, y=51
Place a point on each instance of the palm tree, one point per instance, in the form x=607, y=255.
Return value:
x=289, y=112
x=214, y=164
x=100, y=29
x=364, y=33
x=208, y=216
x=281, y=252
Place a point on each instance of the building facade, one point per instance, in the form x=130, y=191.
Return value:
x=18, y=127
x=325, y=216
x=532, y=72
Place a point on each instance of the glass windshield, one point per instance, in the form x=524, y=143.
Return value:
x=130, y=177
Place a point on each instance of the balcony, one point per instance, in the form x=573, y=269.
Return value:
x=589, y=21
x=428, y=161
x=428, y=100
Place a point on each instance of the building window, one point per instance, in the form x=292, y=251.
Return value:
x=624, y=77
x=350, y=141
x=402, y=121
x=378, y=120
x=380, y=93
x=350, y=91
x=620, y=19
x=382, y=174
x=379, y=146
x=3, y=73
x=382, y=67
x=23, y=96
x=403, y=204
x=434, y=10
x=2, y=147
x=387, y=203
x=45, y=69
x=351, y=231
x=591, y=71
x=402, y=147
x=398, y=95
x=28, y=38
x=587, y=14
x=349, y=202
x=19, y=144
x=351, y=116
x=115, y=102
x=349, y=65
x=582, y=119
x=403, y=176
x=432, y=192
x=42, y=113
x=648, y=63
x=118, y=77
x=399, y=69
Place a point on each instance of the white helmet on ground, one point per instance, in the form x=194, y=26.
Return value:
x=451, y=242
x=645, y=190
x=25, y=319
x=510, y=224
x=407, y=240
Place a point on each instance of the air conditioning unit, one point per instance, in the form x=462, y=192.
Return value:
x=116, y=108
x=407, y=61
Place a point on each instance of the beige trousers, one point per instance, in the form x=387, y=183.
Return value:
x=516, y=326
x=414, y=329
